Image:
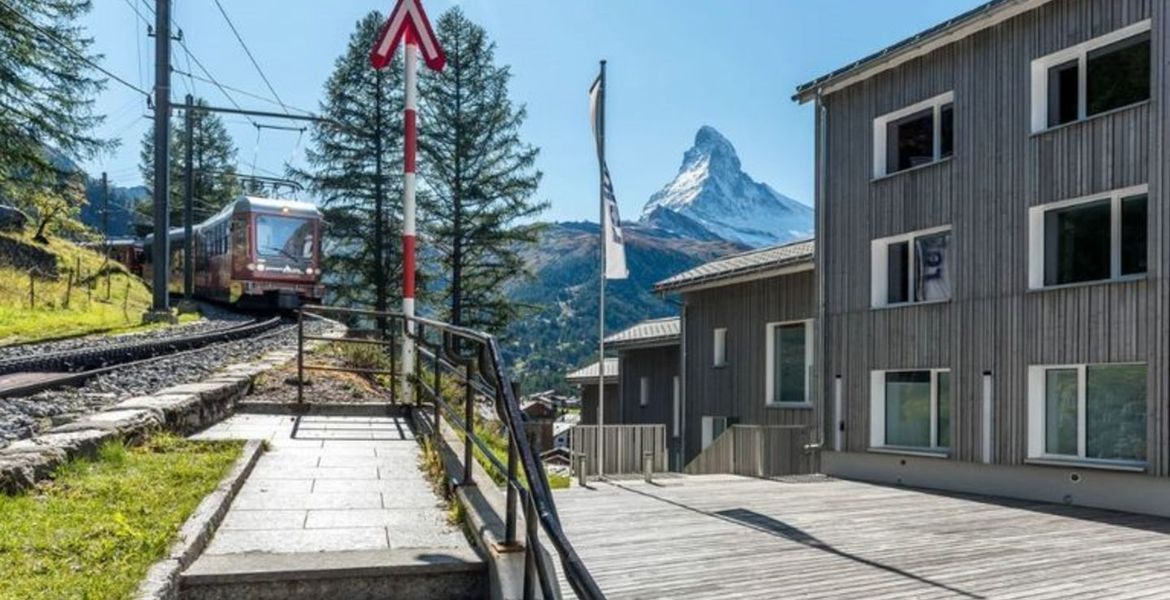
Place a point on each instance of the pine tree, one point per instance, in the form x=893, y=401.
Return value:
x=216, y=183
x=46, y=95
x=481, y=175
x=356, y=171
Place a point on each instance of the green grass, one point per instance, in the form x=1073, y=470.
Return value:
x=60, y=309
x=94, y=530
x=559, y=482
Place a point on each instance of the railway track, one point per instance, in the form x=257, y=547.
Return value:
x=27, y=375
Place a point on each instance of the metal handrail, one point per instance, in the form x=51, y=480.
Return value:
x=481, y=372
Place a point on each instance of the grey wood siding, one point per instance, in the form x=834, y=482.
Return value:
x=589, y=403
x=660, y=364
x=738, y=389
x=999, y=170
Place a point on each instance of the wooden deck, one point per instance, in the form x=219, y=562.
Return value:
x=812, y=537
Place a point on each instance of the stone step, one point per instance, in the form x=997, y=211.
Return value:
x=401, y=574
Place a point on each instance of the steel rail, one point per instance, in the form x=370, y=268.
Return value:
x=92, y=358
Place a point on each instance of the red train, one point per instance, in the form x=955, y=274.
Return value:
x=256, y=252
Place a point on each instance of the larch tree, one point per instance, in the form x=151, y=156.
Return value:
x=47, y=90
x=355, y=169
x=480, y=174
x=215, y=180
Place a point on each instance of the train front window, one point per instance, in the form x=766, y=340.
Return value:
x=285, y=237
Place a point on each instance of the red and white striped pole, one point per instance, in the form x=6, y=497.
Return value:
x=408, y=210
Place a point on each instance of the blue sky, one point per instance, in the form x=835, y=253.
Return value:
x=674, y=65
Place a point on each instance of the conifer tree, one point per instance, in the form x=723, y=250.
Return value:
x=481, y=175
x=46, y=95
x=216, y=182
x=355, y=168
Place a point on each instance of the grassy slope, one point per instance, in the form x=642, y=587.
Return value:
x=95, y=530
x=87, y=311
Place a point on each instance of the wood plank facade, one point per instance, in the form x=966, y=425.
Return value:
x=737, y=389
x=659, y=366
x=993, y=327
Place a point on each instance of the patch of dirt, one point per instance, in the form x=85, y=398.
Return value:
x=323, y=387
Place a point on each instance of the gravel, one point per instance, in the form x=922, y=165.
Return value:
x=215, y=319
x=24, y=417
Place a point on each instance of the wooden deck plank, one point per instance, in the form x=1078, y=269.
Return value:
x=734, y=537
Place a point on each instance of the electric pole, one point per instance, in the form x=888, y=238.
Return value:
x=106, y=227
x=160, y=250
x=188, y=212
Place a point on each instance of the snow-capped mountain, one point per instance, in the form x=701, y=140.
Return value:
x=711, y=191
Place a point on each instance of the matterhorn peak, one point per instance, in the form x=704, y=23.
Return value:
x=712, y=190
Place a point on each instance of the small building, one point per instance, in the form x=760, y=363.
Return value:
x=541, y=413
x=747, y=342
x=586, y=379
x=648, y=379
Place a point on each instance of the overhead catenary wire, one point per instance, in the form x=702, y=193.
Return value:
x=247, y=51
x=70, y=49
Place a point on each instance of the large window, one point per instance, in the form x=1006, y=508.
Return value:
x=911, y=409
x=1094, y=412
x=789, y=360
x=1103, y=74
x=913, y=267
x=284, y=237
x=914, y=136
x=1097, y=238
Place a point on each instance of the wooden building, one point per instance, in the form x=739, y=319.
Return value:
x=992, y=263
x=746, y=344
x=648, y=379
x=586, y=379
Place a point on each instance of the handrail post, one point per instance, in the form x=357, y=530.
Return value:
x=418, y=371
x=510, y=510
x=382, y=330
x=469, y=425
x=530, y=548
x=438, y=395
x=300, y=356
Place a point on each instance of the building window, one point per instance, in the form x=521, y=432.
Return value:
x=1097, y=238
x=789, y=359
x=1103, y=74
x=677, y=395
x=914, y=136
x=1093, y=412
x=644, y=391
x=719, y=343
x=713, y=427
x=911, y=409
x=913, y=267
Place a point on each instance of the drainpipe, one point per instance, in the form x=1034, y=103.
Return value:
x=820, y=355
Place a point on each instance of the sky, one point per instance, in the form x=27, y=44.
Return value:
x=673, y=66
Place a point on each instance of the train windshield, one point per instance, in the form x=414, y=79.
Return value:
x=286, y=237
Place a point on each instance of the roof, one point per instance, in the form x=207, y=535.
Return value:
x=655, y=332
x=947, y=32
x=588, y=374
x=745, y=266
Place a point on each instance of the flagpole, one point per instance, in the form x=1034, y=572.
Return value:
x=601, y=304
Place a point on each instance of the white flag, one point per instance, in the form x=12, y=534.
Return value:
x=611, y=223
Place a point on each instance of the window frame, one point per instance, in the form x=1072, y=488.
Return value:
x=879, y=267
x=1037, y=432
x=770, y=375
x=1037, y=243
x=1079, y=53
x=877, y=413
x=881, y=133
x=719, y=347
x=644, y=391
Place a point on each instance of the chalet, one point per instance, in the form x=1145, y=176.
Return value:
x=649, y=386
x=586, y=379
x=992, y=281
x=746, y=344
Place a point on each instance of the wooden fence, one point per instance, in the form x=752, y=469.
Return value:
x=624, y=446
x=758, y=451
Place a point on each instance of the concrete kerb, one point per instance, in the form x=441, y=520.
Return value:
x=485, y=508
x=162, y=579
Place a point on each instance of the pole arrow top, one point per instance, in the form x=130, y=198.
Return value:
x=408, y=16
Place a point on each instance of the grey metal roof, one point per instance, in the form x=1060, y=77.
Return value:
x=938, y=31
x=654, y=332
x=588, y=373
x=754, y=262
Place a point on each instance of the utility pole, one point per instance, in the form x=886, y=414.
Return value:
x=160, y=250
x=188, y=193
x=106, y=227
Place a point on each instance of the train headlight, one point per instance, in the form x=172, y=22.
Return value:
x=251, y=267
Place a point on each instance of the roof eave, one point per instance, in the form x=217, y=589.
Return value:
x=735, y=277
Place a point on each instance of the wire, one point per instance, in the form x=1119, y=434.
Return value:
x=211, y=78
x=243, y=92
x=240, y=39
x=70, y=49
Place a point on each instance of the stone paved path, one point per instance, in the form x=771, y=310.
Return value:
x=331, y=484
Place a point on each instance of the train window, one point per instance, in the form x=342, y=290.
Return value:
x=288, y=237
